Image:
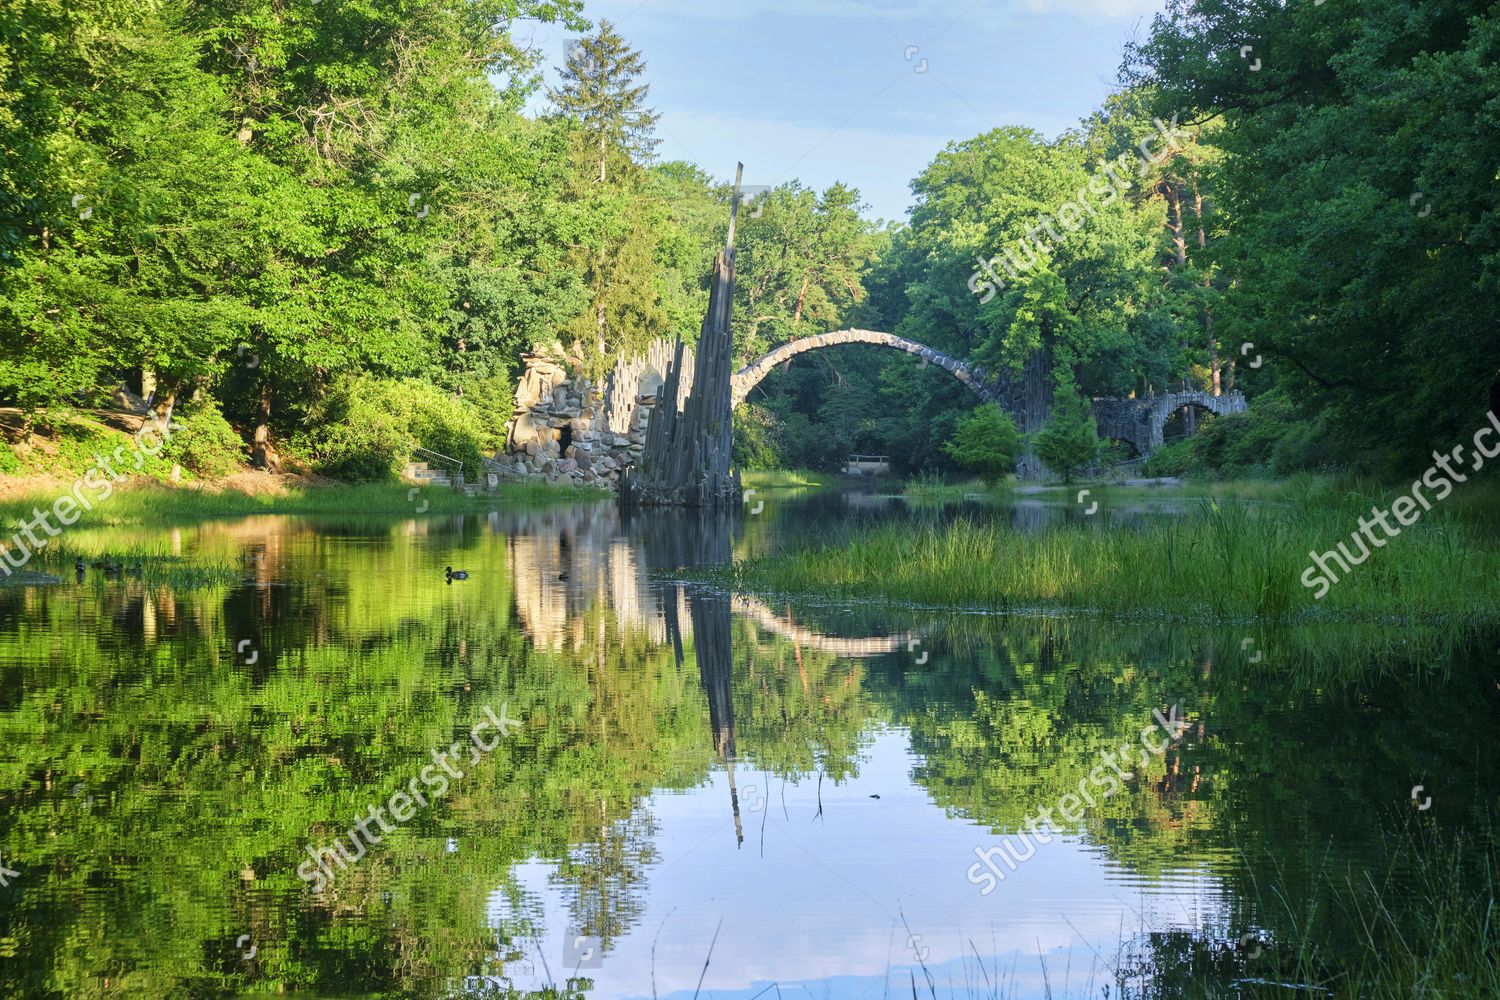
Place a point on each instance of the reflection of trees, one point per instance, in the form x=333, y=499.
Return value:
x=606, y=875
x=207, y=776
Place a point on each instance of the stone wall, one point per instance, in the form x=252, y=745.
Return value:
x=570, y=430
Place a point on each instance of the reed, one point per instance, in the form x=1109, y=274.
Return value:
x=1218, y=563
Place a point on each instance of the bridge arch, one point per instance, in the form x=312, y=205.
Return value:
x=1143, y=421
x=987, y=385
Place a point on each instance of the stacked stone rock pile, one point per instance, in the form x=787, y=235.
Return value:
x=568, y=429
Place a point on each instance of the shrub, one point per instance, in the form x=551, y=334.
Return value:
x=1174, y=459
x=204, y=443
x=987, y=442
x=365, y=429
x=756, y=444
x=1069, y=443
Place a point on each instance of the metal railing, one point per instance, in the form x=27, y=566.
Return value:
x=431, y=457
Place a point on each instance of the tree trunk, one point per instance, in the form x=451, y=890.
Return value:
x=1036, y=396
x=1214, y=371
x=1214, y=374
x=1174, y=221
x=166, y=399
x=262, y=453
x=801, y=299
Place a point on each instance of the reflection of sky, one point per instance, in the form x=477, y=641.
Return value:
x=822, y=909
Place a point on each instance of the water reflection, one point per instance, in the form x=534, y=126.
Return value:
x=815, y=777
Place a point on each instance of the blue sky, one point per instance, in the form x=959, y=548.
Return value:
x=863, y=91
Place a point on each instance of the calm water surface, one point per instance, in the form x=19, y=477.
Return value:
x=792, y=793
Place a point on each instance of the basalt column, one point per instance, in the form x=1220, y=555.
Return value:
x=686, y=461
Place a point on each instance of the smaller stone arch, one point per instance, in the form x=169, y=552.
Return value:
x=1143, y=421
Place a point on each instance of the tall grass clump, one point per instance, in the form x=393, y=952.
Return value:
x=1219, y=562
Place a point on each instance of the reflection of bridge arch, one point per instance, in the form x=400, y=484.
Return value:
x=987, y=385
x=756, y=609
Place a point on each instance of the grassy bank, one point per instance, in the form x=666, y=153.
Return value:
x=146, y=502
x=1442, y=942
x=1218, y=563
x=143, y=564
x=774, y=479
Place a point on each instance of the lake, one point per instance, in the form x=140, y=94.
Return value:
x=582, y=770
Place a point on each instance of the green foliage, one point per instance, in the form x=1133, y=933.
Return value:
x=365, y=429
x=756, y=438
x=988, y=442
x=1357, y=172
x=205, y=444
x=1175, y=459
x=1069, y=443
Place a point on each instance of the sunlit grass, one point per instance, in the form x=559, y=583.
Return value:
x=771, y=479
x=147, y=503
x=1217, y=563
x=114, y=565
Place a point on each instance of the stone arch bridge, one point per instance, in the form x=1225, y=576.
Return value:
x=1139, y=421
x=567, y=428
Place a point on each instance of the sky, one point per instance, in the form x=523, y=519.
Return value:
x=861, y=91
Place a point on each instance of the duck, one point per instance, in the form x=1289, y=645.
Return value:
x=563, y=575
x=456, y=574
x=78, y=568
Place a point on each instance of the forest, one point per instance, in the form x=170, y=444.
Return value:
x=319, y=234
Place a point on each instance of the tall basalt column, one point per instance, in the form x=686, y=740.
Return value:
x=687, y=457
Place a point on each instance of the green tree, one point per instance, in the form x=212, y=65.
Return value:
x=988, y=442
x=1358, y=188
x=600, y=91
x=1069, y=442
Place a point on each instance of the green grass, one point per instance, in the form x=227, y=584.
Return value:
x=772, y=479
x=933, y=489
x=147, y=503
x=145, y=564
x=1218, y=563
x=1440, y=939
